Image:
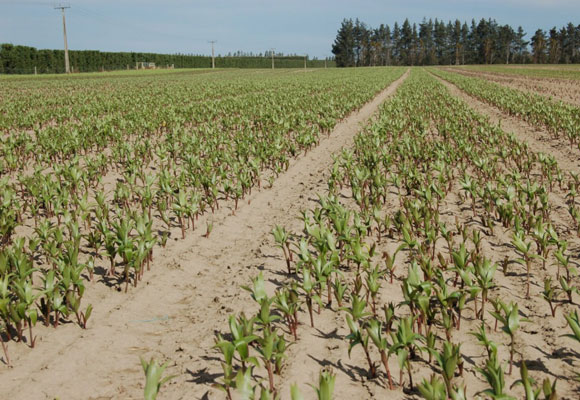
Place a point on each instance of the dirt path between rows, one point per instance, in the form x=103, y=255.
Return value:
x=193, y=287
x=538, y=138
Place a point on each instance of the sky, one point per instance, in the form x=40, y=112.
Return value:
x=290, y=26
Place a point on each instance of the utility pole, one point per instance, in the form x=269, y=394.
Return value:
x=272, y=50
x=212, y=53
x=62, y=7
x=305, y=62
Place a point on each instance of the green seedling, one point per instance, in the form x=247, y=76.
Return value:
x=153, y=377
x=282, y=239
x=209, y=228
x=405, y=345
x=574, y=323
x=510, y=318
x=326, y=380
x=358, y=336
x=528, y=383
x=550, y=295
x=374, y=330
x=433, y=389
x=448, y=360
x=493, y=372
x=524, y=249
x=481, y=336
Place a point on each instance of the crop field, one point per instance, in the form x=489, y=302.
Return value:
x=388, y=232
x=558, y=82
x=570, y=71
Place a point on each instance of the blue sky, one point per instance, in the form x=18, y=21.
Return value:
x=291, y=26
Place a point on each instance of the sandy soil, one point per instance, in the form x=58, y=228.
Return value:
x=193, y=287
x=557, y=89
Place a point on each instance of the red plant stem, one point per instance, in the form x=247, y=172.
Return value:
x=5, y=348
x=512, y=350
x=372, y=369
x=287, y=257
x=32, y=338
x=385, y=360
x=309, y=305
x=329, y=293
x=270, y=375
x=409, y=371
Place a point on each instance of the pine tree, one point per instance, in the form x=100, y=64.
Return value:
x=539, y=47
x=343, y=47
x=554, y=46
x=521, y=45
x=506, y=41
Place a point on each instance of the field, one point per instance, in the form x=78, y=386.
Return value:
x=557, y=82
x=390, y=232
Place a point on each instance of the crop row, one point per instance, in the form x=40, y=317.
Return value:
x=569, y=72
x=561, y=119
x=420, y=218
x=191, y=106
x=102, y=193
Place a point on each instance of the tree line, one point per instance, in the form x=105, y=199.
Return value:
x=439, y=43
x=25, y=60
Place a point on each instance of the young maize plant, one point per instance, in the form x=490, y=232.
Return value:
x=510, y=318
x=548, y=389
x=434, y=389
x=484, y=273
x=308, y=288
x=550, y=295
x=325, y=389
x=493, y=372
x=574, y=323
x=154, y=378
x=282, y=239
x=405, y=345
x=448, y=360
x=374, y=330
x=489, y=345
x=524, y=250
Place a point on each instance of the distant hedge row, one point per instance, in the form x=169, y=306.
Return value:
x=23, y=60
